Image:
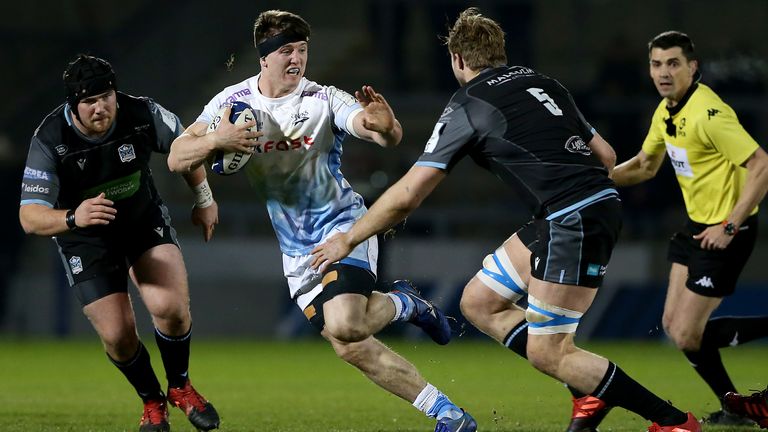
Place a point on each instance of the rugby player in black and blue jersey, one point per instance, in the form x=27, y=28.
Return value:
x=87, y=183
x=525, y=128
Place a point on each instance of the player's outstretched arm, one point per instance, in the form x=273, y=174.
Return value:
x=640, y=168
x=377, y=121
x=393, y=206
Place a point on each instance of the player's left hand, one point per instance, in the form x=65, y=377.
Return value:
x=377, y=115
x=334, y=249
x=714, y=238
x=206, y=218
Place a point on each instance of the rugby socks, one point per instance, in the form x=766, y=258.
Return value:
x=139, y=373
x=618, y=389
x=719, y=333
x=727, y=331
x=517, y=341
x=404, y=306
x=435, y=404
x=175, y=353
x=708, y=364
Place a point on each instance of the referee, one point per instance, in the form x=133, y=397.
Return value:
x=723, y=174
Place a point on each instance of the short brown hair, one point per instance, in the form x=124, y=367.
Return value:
x=479, y=40
x=272, y=22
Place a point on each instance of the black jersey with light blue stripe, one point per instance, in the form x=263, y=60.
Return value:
x=525, y=128
x=64, y=167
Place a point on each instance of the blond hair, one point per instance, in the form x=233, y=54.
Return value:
x=479, y=40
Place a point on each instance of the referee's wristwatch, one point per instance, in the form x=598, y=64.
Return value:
x=730, y=228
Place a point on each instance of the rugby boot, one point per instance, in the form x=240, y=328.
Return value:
x=690, y=425
x=425, y=315
x=155, y=417
x=199, y=411
x=588, y=412
x=465, y=423
x=754, y=406
x=725, y=417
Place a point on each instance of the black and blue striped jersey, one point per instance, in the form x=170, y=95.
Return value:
x=525, y=128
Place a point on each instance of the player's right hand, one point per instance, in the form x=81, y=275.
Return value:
x=230, y=137
x=95, y=211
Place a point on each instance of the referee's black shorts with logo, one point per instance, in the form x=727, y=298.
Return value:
x=712, y=273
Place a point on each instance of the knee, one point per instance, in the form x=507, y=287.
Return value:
x=473, y=308
x=346, y=331
x=352, y=353
x=544, y=358
x=121, y=346
x=173, y=314
x=684, y=338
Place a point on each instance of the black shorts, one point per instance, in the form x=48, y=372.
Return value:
x=527, y=235
x=97, y=266
x=713, y=273
x=574, y=248
x=348, y=279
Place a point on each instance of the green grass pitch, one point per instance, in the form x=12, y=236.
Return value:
x=301, y=386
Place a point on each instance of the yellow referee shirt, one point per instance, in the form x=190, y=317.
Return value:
x=707, y=148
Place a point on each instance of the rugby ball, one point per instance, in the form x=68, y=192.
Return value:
x=227, y=163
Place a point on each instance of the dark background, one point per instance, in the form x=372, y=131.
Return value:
x=182, y=53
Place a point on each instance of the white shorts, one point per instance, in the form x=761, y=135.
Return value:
x=304, y=282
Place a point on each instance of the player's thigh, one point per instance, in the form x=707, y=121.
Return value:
x=518, y=248
x=505, y=271
x=685, y=312
x=477, y=298
x=571, y=297
x=345, y=310
x=161, y=277
x=678, y=276
x=112, y=317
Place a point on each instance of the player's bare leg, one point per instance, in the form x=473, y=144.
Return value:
x=161, y=278
x=350, y=321
x=685, y=319
x=553, y=315
x=354, y=317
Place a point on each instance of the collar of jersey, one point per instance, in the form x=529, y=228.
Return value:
x=676, y=109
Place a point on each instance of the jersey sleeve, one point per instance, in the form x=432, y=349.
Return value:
x=727, y=135
x=40, y=183
x=344, y=108
x=167, y=125
x=587, y=132
x=654, y=141
x=450, y=135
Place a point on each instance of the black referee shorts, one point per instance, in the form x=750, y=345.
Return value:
x=712, y=273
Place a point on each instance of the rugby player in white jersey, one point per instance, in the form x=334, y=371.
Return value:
x=295, y=169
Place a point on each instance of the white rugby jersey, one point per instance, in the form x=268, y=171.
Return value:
x=296, y=165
